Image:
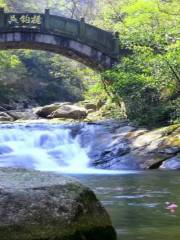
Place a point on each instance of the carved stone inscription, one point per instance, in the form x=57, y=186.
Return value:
x=24, y=19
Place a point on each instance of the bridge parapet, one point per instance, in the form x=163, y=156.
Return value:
x=104, y=41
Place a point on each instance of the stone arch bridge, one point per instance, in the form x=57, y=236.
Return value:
x=78, y=40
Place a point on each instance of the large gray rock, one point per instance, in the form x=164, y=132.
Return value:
x=69, y=111
x=46, y=110
x=44, y=206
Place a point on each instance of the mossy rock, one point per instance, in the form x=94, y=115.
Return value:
x=172, y=136
x=46, y=206
x=172, y=129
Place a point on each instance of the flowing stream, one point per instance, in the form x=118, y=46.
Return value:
x=134, y=200
x=137, y=203
x=47, y=147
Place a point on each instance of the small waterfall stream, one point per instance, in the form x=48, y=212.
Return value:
x=42, y=147
x=47, y=147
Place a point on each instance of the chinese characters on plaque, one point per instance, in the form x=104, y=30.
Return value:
x=25, y=19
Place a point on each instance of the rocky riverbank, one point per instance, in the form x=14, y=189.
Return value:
x=66, y=111
x=119, y=145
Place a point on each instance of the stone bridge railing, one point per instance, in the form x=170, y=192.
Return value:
x=103, y=41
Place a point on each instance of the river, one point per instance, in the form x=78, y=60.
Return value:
x=135, y=200
x=137, y=203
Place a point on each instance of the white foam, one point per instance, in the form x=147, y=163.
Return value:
x=48, y=148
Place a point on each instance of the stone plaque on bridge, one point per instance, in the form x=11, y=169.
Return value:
x=19, y=20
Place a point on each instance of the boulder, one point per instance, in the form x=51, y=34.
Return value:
x=26, y=115
x=46, y=110
x=5, y=117
x=37, y=205
x=69, y=111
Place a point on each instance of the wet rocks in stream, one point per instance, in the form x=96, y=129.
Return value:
x=118, y=145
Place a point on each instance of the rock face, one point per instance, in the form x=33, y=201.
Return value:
x=118, y=145
x=36, y=205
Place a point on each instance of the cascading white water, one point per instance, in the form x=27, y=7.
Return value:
x=44, y=147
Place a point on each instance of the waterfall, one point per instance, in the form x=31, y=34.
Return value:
x=45, y=147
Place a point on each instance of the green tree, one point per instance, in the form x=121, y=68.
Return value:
x=147, y=81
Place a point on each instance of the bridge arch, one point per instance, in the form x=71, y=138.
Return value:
x=78, y=40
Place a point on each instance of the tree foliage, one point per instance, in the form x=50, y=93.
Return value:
x=148, y=81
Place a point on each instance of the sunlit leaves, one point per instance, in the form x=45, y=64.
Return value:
x=2, y=3
x=151, y=29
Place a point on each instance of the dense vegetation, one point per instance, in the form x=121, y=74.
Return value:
x=147, y=81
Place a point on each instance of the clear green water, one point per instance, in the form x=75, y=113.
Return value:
x=136, y=203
